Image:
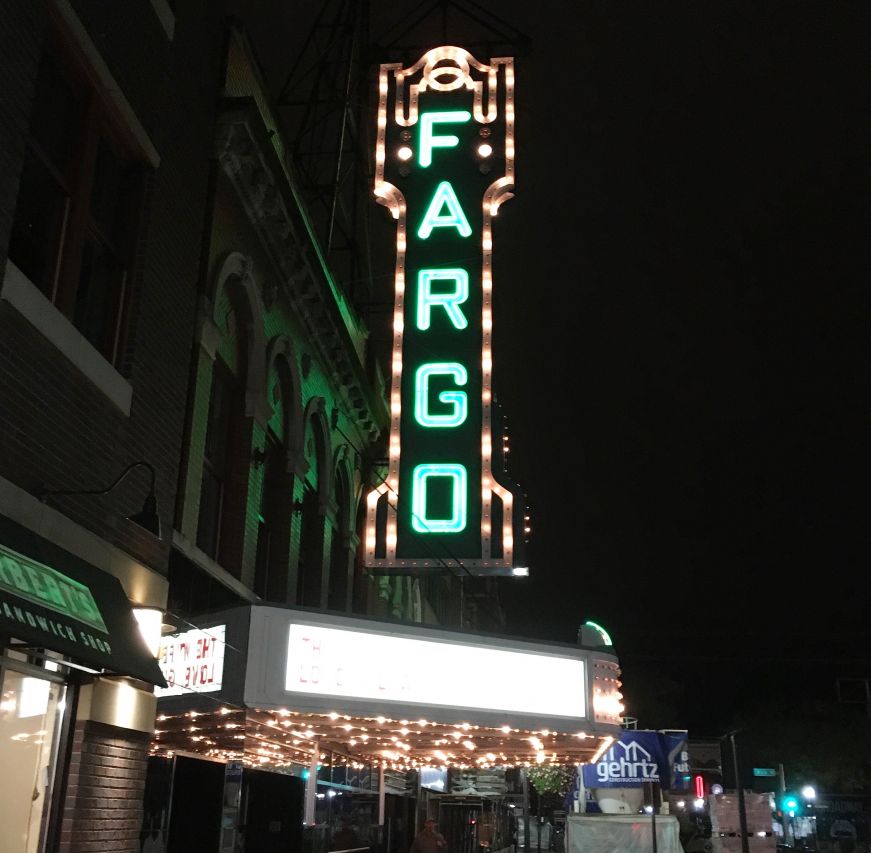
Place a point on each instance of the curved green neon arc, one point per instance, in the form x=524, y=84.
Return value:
x=420, y=521
x=457, y=400
x=606, y=637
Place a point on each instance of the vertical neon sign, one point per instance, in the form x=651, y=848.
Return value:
x=444, y=163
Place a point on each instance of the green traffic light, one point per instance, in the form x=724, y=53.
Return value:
x=790, y=802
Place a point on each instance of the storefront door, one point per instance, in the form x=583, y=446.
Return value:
x=32, y=701
x=273, y=809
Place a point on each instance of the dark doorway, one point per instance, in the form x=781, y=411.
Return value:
x=197, y=795
x=155, y=804
x=399, y=823
x=458, y=822
x=272, y=810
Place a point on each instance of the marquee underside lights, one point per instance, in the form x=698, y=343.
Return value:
x=444, y=164
x=285, y=737
x=385, y=694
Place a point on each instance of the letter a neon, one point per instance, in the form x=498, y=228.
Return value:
x=449, y=301
x=455, y=218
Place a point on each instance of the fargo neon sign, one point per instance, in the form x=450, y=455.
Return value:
x=444, y=165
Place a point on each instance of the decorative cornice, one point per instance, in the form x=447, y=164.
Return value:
x=264, y=186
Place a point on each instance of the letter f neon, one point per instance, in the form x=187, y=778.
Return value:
x=429, y=140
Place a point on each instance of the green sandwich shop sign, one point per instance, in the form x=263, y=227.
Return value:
x=81, y=611
x=38, y=584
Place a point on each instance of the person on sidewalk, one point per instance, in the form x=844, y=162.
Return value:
x=429, y=839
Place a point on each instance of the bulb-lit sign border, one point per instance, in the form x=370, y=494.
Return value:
x=442, y=388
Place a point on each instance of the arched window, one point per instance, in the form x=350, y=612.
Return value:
x=276, y=501
x=310, y=569
x=340, y=564
x=236, y=391
x=222, y=428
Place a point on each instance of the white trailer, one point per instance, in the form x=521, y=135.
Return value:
x=621, y=833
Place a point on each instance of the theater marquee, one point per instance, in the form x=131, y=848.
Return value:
x=444, y=164
x=368, y=665
x=321, y=663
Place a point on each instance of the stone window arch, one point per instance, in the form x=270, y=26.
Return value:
x=314, y=503
x=362, y=580
x=236, y=397
x=279, y=459
x=343, y=540
x=238, y=312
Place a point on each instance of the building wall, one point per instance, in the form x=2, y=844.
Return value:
x=21, y=33
x=263, y=300
x=71, y=419
x=105, y=788
x=60, y=430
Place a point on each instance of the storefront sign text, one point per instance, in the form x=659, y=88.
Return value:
x=192, y=662
x=48, y=588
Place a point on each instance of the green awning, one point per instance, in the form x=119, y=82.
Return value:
x=54, y=600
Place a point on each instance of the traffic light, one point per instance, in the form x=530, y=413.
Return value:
x=789, y=803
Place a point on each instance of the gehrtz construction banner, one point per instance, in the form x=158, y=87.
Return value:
x=639, y=757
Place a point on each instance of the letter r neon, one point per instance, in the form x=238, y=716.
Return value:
x=451, y=302
x=429, y=140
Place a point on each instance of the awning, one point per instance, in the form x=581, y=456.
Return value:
x=52, y=599
x=266, y=684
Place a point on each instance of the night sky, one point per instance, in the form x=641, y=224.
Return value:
x=685, y=357
x=682, y=318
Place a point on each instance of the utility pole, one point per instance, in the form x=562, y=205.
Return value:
x=742, y=810
x=788, y=837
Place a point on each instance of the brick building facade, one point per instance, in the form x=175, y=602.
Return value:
x=103, y=131
x=169, y=332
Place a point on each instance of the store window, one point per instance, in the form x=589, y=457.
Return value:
x=32, y=701
x=78, y=205
x=272, y=503
x=225, y=400
x=276, y=498
x=337, y=597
